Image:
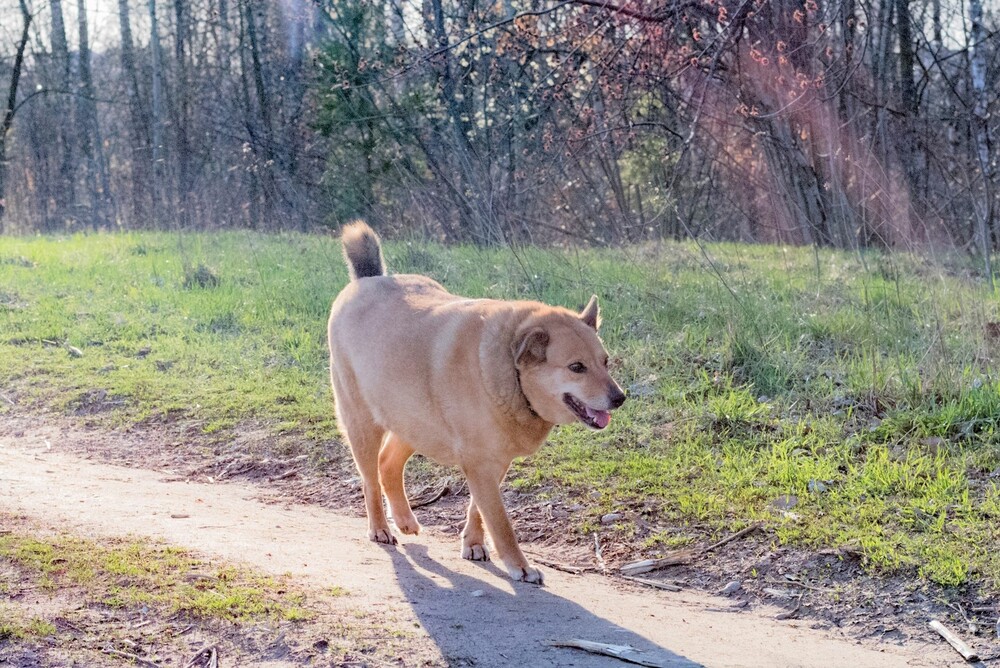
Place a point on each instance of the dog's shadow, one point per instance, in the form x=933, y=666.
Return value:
x=476, y=623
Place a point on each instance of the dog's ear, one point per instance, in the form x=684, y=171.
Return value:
x=591, y=314
x=530, y=346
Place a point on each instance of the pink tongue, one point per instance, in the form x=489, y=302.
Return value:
x=601, y=418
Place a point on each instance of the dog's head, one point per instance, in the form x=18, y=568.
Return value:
x=563, y=367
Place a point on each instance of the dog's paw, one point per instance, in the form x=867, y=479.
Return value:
x=408, y=525
x=527, y=574
x=476, y=552
x=382, y=536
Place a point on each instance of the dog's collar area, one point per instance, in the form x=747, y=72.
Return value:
x=527, y=401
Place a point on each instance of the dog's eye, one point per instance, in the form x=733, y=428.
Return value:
x=577, y=367
x=605, y=362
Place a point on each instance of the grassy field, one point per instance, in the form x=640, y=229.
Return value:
x=842, y=399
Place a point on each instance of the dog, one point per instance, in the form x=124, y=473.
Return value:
x=471, y=383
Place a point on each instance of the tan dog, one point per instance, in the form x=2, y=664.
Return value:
x=471, y=383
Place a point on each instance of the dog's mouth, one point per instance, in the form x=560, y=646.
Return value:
x=594, y=419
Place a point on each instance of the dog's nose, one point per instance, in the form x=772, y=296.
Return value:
x=617, y=397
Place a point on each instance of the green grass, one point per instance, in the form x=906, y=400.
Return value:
x=864, y=385
x=136, y=573
x=15, y=626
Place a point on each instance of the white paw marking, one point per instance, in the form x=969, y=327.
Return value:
x=526, y=574
x=475, y=552
x=382, y=536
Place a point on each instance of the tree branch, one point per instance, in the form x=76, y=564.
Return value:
x=15, y=76
x=659, y=16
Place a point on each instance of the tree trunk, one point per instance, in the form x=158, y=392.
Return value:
x=11, y=108
x=180, y=121
x=265, y=138
x=139, y=136
x=90, y=132
x=981, y=133
x=907, y=87
x=157, y=114
x=65, y=191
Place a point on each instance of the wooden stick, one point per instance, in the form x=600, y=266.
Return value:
x=443, y=492
x=597, y=552
x=653, y=583
x=677, y=558
x=565, y=568
x=788, y=614
x=967, y=652
x=680, y=557
x=287, y=474
x=622, y=652
x=132, y=657
x=213, y=657
x=736, y=536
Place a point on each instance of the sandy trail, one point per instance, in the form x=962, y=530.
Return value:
x=463, y=612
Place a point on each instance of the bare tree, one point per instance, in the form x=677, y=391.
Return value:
x=92, y=147
x=831, y=122
x=984, y=208
x=65, y=191
x=11, y=108
x=139, y=160
x=156, y=118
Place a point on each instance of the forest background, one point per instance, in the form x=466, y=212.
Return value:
x=852, y=123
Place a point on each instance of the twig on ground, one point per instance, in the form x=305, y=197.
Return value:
x=282, y=476
x=623, y=652
x=779, y=593
x=676, y=558
x=788, y=614
x=681, y=557
x=7, y=399
x=653, y=583
x=212, y=653
x=967, y=652
x=597, y=553
x=736, y=536
x=565, y=568
x=420, y=503
x=796, y=583
x=131, y=657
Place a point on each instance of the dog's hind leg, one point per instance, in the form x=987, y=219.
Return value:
x=391, y=459
x=365, y=438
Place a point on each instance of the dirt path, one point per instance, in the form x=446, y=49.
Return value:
x=466, y=613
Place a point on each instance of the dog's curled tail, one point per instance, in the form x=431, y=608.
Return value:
x=362, y=250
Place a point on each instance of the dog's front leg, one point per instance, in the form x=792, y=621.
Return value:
x=473, y=537
x=485, y=490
